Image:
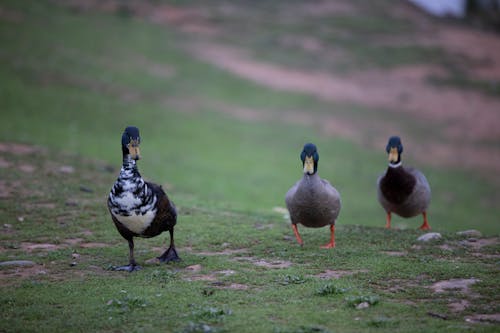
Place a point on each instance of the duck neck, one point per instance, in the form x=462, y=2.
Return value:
x=129, y=167
x=311, y=178
x=396, y=165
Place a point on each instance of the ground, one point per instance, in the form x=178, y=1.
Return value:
x=226, y=94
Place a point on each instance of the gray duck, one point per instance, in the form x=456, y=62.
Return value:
x=139, y=208
x=312, y=201
x=400, y=190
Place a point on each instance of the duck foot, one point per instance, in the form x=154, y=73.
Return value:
x=330, y=245
x=297, y=235
x=388, y=220
x=169, y=255
x=129, y=268
x=425, y=225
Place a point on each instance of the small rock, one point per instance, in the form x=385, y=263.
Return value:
x=362, y=305
x=470, y=233
x=73, y=264
x=75, y=256
x=20, y=218
x=429, y=237
x=66, y=169
x=24, y=263
x=7, y=226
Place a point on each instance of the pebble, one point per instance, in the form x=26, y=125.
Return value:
x=362, y=305
x=24, y=263
x=429, y=237
x=68, y=169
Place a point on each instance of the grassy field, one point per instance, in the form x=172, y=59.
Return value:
x=71, y=80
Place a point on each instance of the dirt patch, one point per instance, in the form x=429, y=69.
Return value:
x=222, y=253
x=17, y=148
x=30, y=247
x=482, y=318
x=234, y=286
x=477, y=244
x=4, y=164
x=22, y=272
x=462, y=285
x=73, y=241
x=213, y=276
x=275, y=264
x=205, y=277
x=459, y=306
x=395, y=253
x=337, y=274
x=93, y=245
x=446, y=247
x=28, y=168
x=486, y=255
x=272, y=264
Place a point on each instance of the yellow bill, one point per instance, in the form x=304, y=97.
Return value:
x=133, y=149
x=393, y=155
x=309, y=165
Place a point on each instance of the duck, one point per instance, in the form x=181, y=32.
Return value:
x=140, y=208
x=403, y=191
x=313, y=201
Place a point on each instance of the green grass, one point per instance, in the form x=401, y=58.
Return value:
x=71, y=82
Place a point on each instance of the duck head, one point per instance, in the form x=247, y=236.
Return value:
x=394, y=148
x=310, y=158
x=130, y=142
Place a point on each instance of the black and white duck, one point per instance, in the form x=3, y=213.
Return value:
x=400, y=190
x=312, y=201
x=140, y=208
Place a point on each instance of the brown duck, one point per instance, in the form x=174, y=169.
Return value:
x=400, y=190
x=140, y=208
x=312, y=201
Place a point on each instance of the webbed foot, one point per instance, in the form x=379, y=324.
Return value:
x=129, y=268
x=328, y=246
x=169, y=255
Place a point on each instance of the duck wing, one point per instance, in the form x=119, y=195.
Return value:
x=166, y=214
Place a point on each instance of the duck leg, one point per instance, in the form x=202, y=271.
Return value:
x=171, y=253
x=388, y=220
x=425, y=225
x=132, y=266
x=332, y=238
x=297, y=235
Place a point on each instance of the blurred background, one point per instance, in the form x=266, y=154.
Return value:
x=226, y=93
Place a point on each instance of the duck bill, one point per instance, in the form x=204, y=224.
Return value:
x=393, y=155
x=309, y=165
x=134, y=151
